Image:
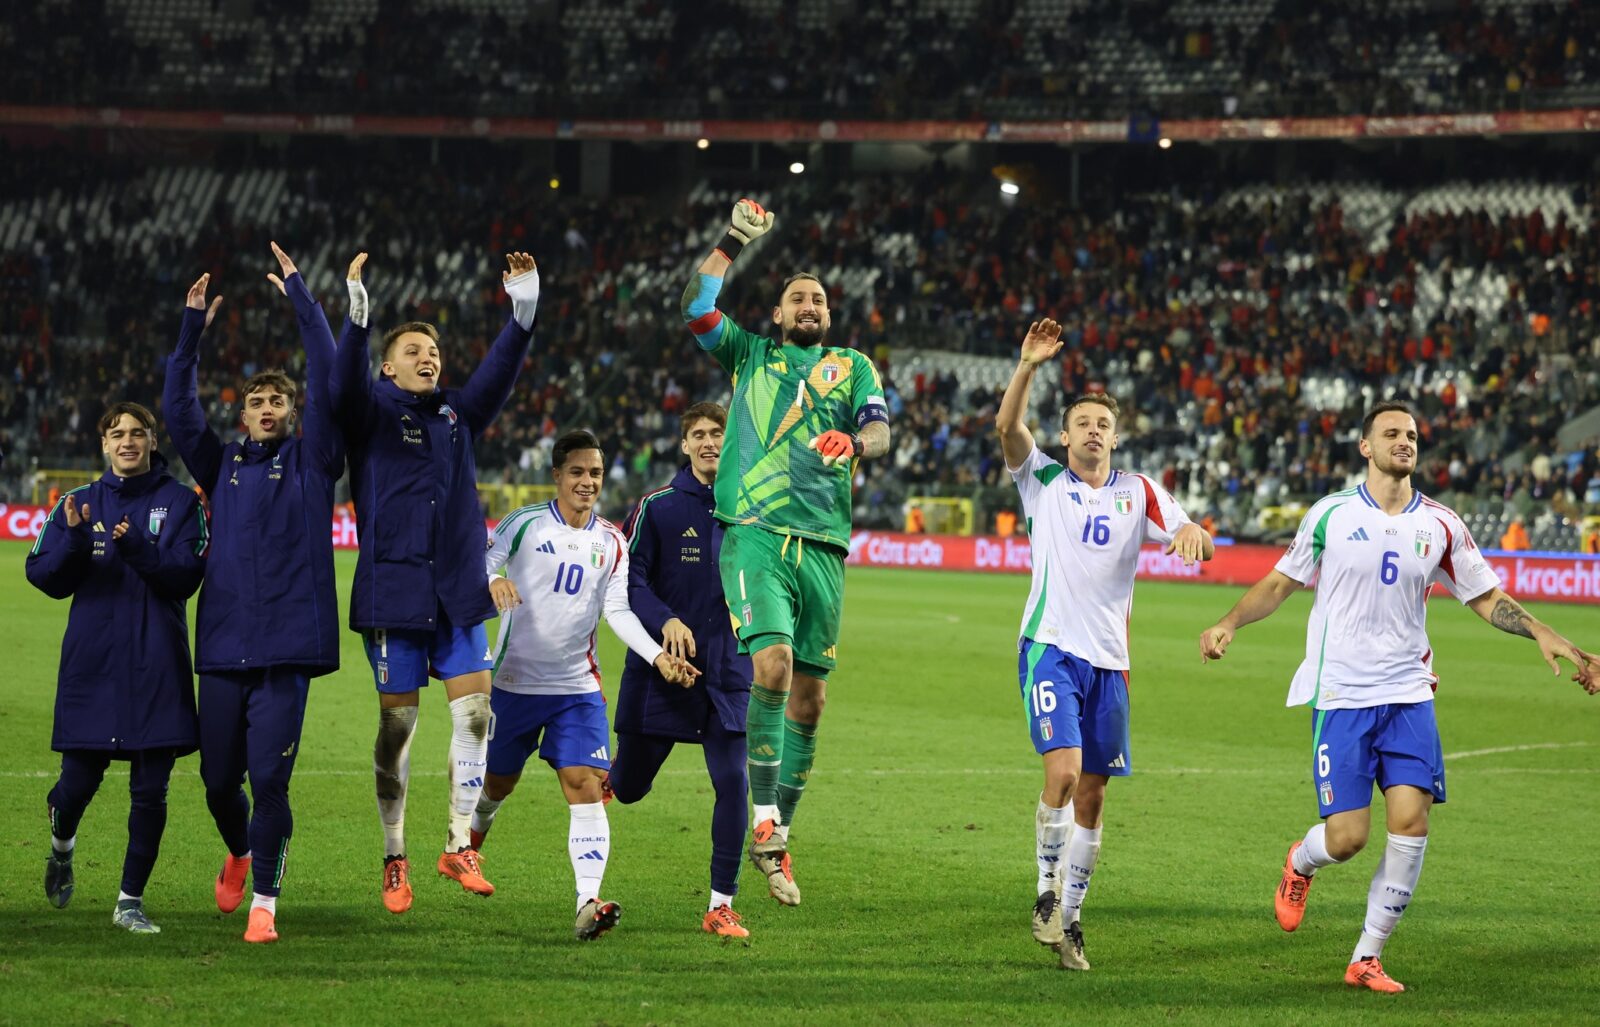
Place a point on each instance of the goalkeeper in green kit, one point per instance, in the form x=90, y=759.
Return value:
x=803, y=413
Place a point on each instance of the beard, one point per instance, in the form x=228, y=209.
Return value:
x=804, y=336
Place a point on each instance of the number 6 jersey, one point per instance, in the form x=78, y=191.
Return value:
x=1367, y=640
x=568, y=577
x=1085, y=544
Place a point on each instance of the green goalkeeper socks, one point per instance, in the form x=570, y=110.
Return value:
x=764, y=737
x=799, y=752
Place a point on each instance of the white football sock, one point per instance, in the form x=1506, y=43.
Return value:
x=588, y=846
x=483, y=815
x=718, y=900
x=1083, y=852
x=1051, y=828
x=469, y=758
x=123, y=896
x=782, y=833
x=1313, y=853
x=266, y=902
x=391, y=767
x=1390, y=892
x=63, y=846
x=764, y=813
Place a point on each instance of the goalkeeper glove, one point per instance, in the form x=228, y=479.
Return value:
x=749, y=221
x=837, y=447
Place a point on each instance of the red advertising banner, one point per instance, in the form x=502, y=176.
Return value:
x=778, y=130
x=1556, y=577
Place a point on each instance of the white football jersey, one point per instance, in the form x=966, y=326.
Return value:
x=1085, y=544
x=1367, y=641
x=567, y=577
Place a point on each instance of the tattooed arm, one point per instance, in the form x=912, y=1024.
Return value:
x=1508, y=615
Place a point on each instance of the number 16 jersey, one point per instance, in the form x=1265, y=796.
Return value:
x=1085, y=543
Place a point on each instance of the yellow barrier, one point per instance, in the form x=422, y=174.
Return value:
x=944, y=515
x=62, y=480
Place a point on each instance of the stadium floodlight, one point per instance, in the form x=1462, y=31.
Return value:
x=796, y=168
x=555, y=183
x=1010, y=188
x=703, y=143
x=1165, y=143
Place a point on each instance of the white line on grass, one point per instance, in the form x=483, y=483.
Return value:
x=960, y=771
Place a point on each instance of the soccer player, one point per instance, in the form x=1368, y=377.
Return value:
x=676, y=591
x=803, y=413
x=1372, y=553
x=130, y=550
x=419, y=599
x=1086, y=522
x=267, y=620
x=572, y=565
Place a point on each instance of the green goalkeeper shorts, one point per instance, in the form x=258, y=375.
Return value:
x=784, y=590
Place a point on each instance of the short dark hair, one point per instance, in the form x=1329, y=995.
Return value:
x=1090, y=397
x=1387, y=406
x=393, y=334
x=800, y=276
x=570, y=442
x=140, y=413
x=701, y=412
x=273, y=379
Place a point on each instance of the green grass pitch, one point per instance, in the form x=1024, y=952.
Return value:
x=914, y=850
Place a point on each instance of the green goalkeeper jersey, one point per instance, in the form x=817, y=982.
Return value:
x=783, y=397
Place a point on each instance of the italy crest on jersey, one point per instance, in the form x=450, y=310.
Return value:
x=831, y=372
x=597, y=555
x=158, y=517
x=1424, y=544
x=448, y=411
x=1123, y=502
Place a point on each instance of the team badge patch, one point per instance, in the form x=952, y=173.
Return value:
x=158, y=517
x=383, y=672
x=1424, y=543
x=597, y=555
x=1123, y=502
x=1325, y=792
x=830, y=372
x=1046, y=730
x=747, y=617
x=445, y=409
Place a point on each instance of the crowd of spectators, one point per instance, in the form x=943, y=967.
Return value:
x=981, y=59
x=1242, y=339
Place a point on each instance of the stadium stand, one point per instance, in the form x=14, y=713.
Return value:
x=1013, y=59
x=1239, y=326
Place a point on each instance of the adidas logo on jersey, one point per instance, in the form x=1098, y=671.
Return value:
x=599, y=754
x=763, y=750
x=548, y=547
x=1359, y=535
x=1119, y=763
x=592, y=854
x=476, y=782
x=689, y=532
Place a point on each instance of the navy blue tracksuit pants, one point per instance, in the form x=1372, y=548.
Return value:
x=639, y=758
x=250, y=724
x=149, y=770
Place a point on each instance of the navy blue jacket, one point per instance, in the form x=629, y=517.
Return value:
x=415, y=487
x=674, y=544
x=268, y=598
x=125, y=682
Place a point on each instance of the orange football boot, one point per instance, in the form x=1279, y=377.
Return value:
x=397, y=884
x=724, y=921
x=261, y=928
x=1290, y=902
x=1368, y=973
x=465, y=868
x=230, y=882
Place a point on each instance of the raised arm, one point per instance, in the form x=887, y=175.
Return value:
x=319, y=429
x=1263, y=599
x=748, y=222
x=196, y=443
x=59, y=561
x=350, y=379
x=173, y=562
x=1505, y=613
x=491, y=384
x=1042, y=342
